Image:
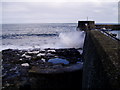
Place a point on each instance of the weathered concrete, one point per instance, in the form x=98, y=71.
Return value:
x=86, y=25
x=102, y=63
x=68, y=77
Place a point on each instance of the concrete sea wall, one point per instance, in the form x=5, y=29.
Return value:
x=72, y=79
x=102, y=62
x=108, y=26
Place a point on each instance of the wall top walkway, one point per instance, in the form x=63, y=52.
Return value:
x=110, y=46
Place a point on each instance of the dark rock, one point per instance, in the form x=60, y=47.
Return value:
x=35, y=58
x=16, y=76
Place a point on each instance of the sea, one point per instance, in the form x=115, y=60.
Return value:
x=43, y=35
x=117, y=32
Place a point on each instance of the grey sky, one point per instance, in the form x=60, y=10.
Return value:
x=59, y=12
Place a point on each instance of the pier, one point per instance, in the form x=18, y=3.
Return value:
x=101, y=60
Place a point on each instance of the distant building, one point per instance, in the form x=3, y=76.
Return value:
x=86, y=25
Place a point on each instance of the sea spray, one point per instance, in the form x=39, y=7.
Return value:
x=73, y=39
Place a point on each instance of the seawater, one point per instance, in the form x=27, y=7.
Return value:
x=117, y=32
x=44, y=35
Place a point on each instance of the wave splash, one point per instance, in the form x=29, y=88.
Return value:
x=73, y=39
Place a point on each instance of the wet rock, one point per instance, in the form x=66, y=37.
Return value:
x=26, y=56
x=43, y=60
x=33, y=52
x=49, y=55
x=25, y=64
x=58, y=66
x=36, y=58
x=13, y=69
x=18, y=64
x=20, y=59
x=41, y=54
x=51, y=51
x=42, y=51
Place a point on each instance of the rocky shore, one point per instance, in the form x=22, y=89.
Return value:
x=47, y=68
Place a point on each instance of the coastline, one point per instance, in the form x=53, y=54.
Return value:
x=19, y=64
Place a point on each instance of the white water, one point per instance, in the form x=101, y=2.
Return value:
x=74, y=39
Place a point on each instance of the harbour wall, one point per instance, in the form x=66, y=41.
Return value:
x=101, y=68
x=69, y=79
x=108, y=26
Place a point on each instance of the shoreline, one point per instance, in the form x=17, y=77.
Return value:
x=19, y=64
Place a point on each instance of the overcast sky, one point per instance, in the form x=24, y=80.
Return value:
x=61, y=11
